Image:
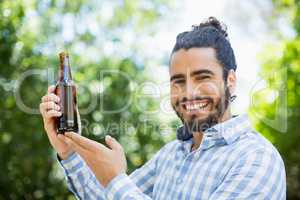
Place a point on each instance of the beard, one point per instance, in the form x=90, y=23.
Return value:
x=214, y=117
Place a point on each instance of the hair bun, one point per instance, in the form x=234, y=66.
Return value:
x=215, y=23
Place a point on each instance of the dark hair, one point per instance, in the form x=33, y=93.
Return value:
x=210, y=33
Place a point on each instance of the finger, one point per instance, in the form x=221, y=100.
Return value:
x=113, y=143
x=44, y=109
x=52, y=113
x=79, y=149
x=61, y=137
x=51, y=89
x=84, y=142
x=46, y=106
x=50, y=97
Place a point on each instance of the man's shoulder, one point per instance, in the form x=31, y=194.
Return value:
x=253, y=142
x=170, y=146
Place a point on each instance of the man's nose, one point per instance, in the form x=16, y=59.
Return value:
x=190, y=90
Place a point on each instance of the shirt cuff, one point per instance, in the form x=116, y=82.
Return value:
x=119, y=186
x=72, y=164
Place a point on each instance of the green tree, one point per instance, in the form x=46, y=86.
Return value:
x=32, y=33
x=281, y=68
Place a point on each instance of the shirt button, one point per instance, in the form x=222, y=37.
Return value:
x=179, y=181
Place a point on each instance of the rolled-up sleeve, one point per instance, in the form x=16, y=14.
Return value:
x=80, y=179
x=83, y=183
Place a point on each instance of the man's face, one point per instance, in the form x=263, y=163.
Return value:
x=198, y=94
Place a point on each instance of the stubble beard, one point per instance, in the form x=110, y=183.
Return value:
x=214, y=117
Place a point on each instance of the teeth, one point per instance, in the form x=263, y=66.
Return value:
x=196, y=106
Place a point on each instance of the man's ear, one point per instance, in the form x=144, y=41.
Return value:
x=231, y=81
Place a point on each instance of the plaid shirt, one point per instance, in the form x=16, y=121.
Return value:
x=232, y=162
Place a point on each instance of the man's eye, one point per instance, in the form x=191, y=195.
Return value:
x=180, y=81
x=202, y=77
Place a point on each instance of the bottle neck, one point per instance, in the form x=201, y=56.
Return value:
x=65, y=70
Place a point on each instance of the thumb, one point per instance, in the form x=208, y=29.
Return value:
x=113, y=143
x=51, y=89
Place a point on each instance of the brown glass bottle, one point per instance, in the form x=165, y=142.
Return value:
x=66, y=91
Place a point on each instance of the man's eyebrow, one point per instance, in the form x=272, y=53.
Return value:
x=176, y=76
x=202, y=71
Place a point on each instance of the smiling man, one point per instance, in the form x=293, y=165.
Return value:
x=215, y=156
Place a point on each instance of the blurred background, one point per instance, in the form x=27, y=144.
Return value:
x=119, y=53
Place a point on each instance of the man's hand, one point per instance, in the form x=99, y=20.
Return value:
x=106, y=163
x=50, y=109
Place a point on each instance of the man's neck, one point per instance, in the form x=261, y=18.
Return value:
x=198, y=136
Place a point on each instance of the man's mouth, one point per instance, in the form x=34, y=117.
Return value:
x=195, y=106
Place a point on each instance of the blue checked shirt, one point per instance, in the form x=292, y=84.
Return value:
x=232, y=162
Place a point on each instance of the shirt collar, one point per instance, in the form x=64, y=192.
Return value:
x=220, y=134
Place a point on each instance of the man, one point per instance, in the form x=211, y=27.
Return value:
x=215, y=156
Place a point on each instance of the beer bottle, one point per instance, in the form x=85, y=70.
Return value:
x=66, y=91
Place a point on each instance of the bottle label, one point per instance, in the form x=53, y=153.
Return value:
x=68, y=105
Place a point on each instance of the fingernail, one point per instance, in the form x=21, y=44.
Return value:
x=61, y=137
x=108, y=137
x=67, y=133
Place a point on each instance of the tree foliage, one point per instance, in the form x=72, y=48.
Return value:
x=280, y=71
x=96, y=35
